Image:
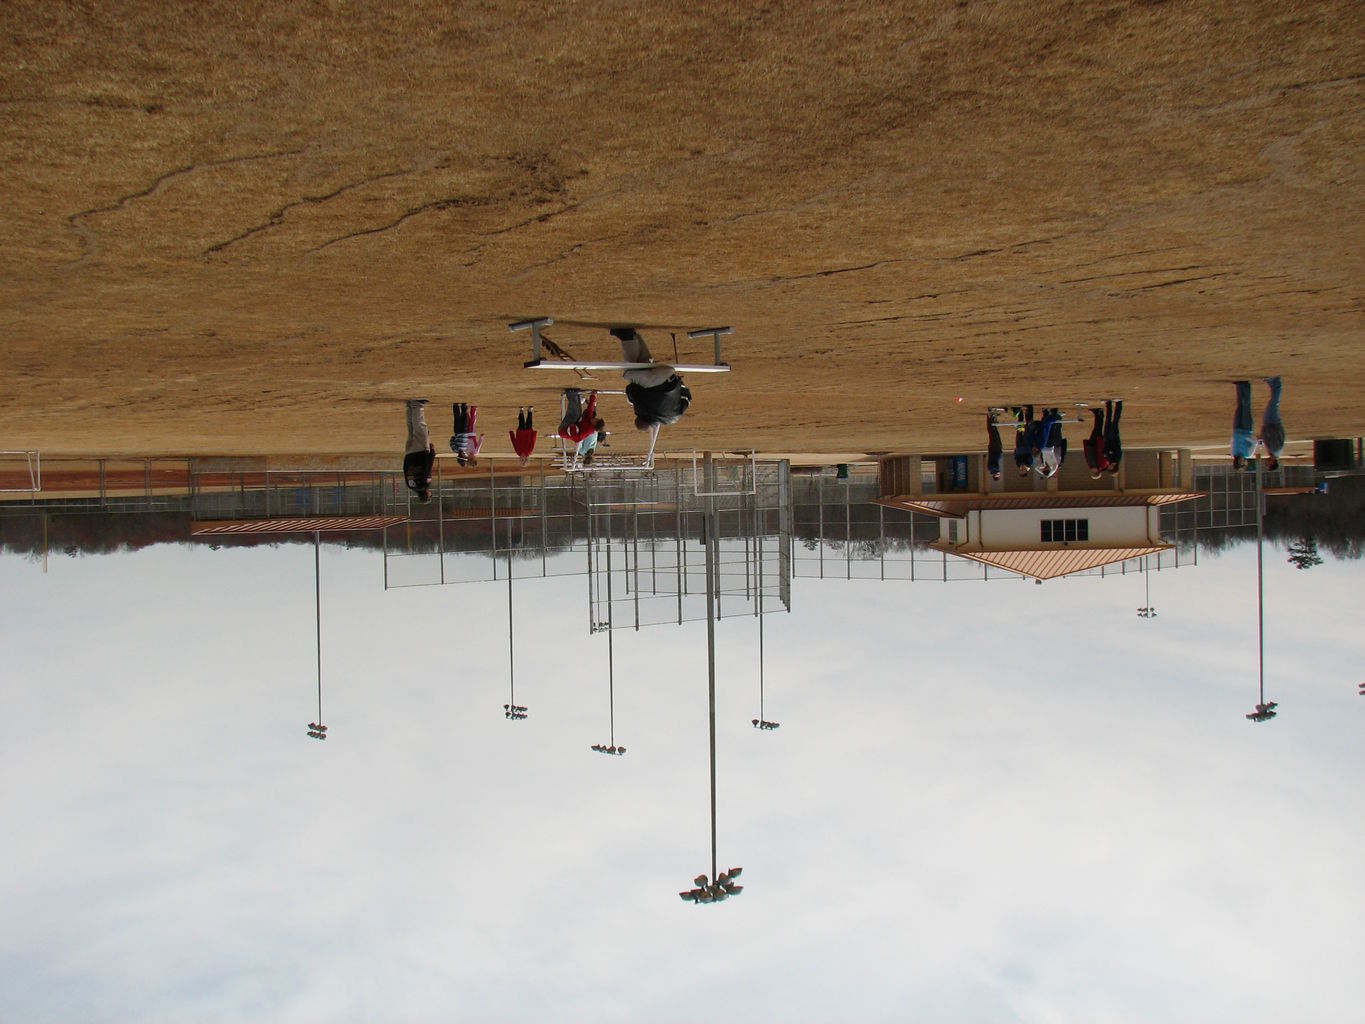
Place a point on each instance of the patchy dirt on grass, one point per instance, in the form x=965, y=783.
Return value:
x=244, y=228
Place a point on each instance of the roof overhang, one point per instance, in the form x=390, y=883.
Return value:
x=293, y=524
x=956, y=506
x=1052, y=561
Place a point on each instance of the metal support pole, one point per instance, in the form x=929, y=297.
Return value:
x=748, y=584
x=711, y=569
x=1260, y=578
x=587, y=511
x=761, y=716
x=716, y=334
x=317, y=609
x=881, y=536
x=681, y=553
x=912, y=547
x=611, y=656
x=440, y=523
x=534, y=326
x=635, y=552
x=715, y=516
x=820, y=502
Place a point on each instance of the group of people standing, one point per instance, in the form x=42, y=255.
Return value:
x=659, y=397
x=419, y=455
x=656, y=393
x=1271, y=435
x=1039, y=444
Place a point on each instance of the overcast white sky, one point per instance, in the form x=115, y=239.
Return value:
x=987, y=802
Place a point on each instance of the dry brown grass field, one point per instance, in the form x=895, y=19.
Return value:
x=250, y=227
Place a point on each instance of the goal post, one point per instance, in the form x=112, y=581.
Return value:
x=21, y=472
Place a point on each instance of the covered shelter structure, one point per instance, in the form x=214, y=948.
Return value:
x=1042, y=533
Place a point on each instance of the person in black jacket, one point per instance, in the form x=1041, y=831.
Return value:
x=420, y=454
x=656, y=393
x=995, y=448
x=1113, y=444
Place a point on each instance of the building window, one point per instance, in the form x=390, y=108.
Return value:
x=1061, y=531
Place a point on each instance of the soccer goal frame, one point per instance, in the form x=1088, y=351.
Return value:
x=33, y=462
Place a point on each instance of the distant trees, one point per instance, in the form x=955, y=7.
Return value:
x=1334, y=521
x=1303, y=553
x=1320, y=524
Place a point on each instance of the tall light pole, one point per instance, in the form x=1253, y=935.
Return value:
x=1264, y=711
x=720, y=886
x=612, y=748
x=1147, y=611
x=316, y=730
x=513, y=711
x=761, y=722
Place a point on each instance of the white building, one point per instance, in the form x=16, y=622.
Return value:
x=1041, y=533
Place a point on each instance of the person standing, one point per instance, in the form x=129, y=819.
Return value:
x=1093, y=446
x=1113, y=445
x=1272, y=429
x=995, y=448
x=524, y=437
x=419, y=456
x=579, y=420
x=1051, y=449
x=1024, y=430
x=1243, y=440
x=464, y=442
x=589, y=444
x=656, y=392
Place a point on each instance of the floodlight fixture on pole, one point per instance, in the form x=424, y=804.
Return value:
x=1147, y=611
x=718, y=891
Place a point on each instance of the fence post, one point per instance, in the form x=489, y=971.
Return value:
x=820, y=503
x=440, y=524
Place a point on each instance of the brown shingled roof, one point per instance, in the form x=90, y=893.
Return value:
x=956, y=506
x=293, y=524
x=1053, y=561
